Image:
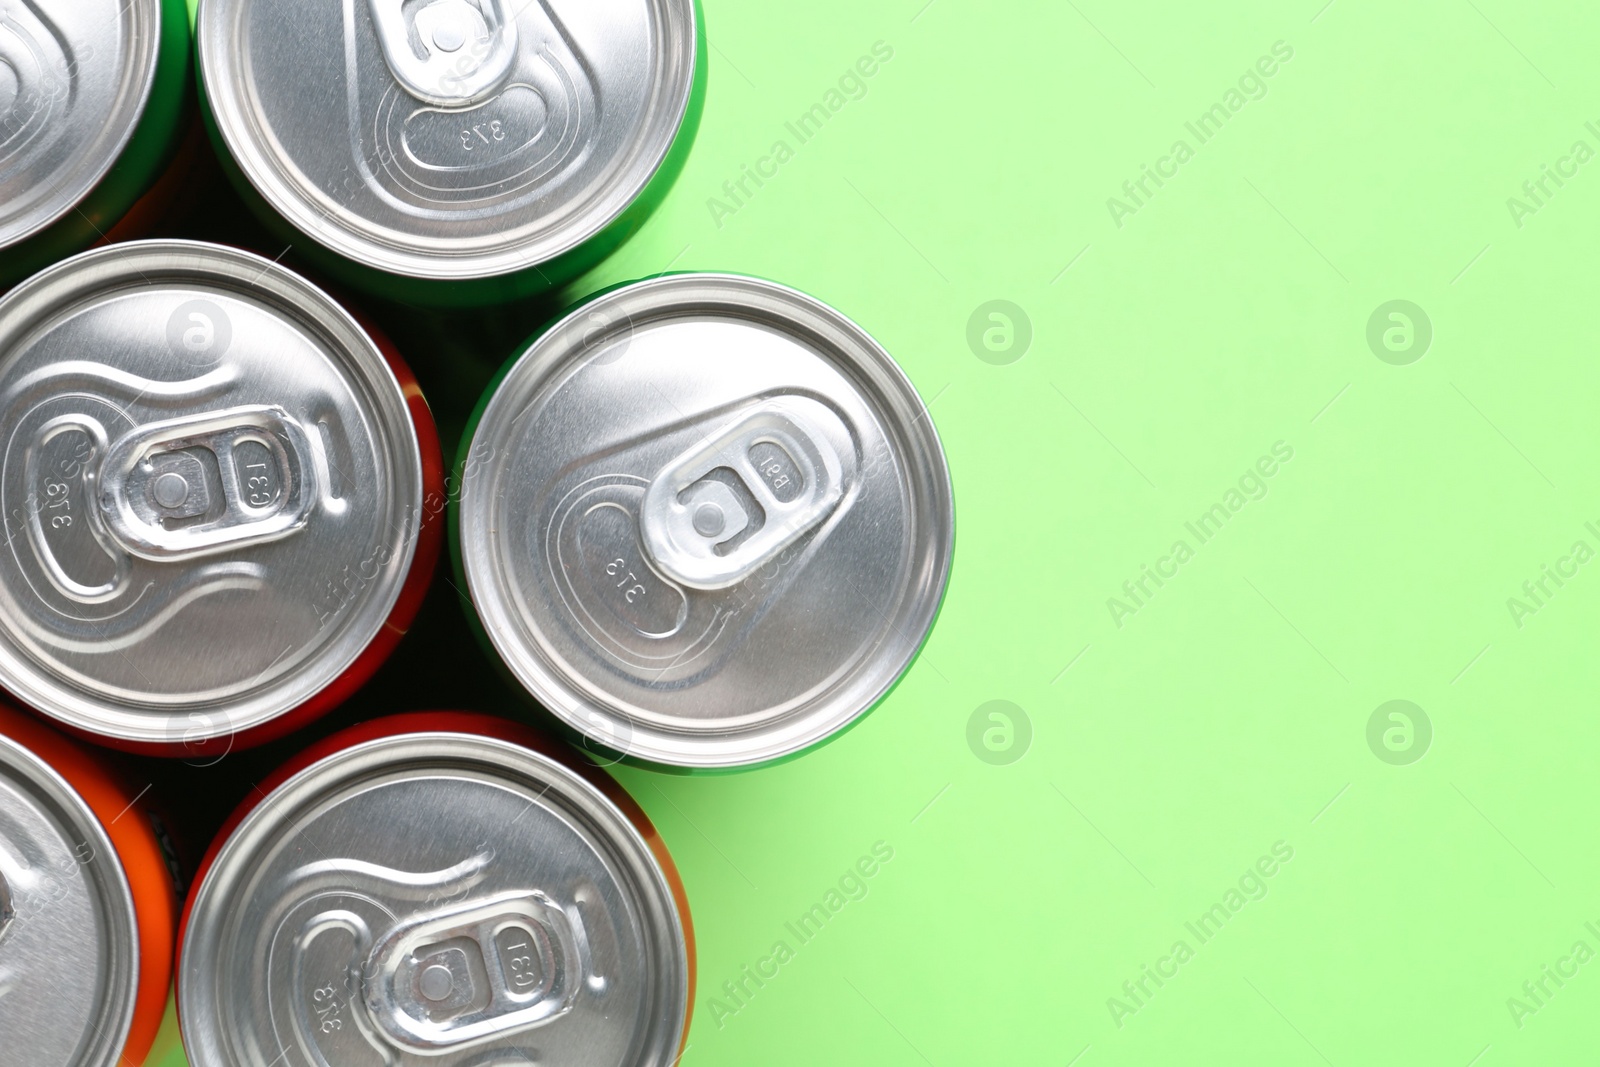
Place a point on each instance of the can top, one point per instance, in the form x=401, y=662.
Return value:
x=706, y=520
x=74, y=80
x=211, y=485
x=435, y=895
x=449, y=139
x=69, y=952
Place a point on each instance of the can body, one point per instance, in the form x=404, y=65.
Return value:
x=486, y=151
x=121, y=74
x=704, y=521
x=108, y=991
x=472, y=898
x=223, y=498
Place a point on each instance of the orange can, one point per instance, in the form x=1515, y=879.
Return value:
x=88, y=906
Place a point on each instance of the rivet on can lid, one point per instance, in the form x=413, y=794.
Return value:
x=171, y=490
x=437, y=982
x=709, y=521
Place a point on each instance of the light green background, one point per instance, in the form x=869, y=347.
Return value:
x=1230, y=712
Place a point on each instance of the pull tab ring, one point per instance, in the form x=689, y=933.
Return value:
x=207, y=483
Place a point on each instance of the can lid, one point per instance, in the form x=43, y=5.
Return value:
x=459, y=138
x=212, y=491
x=74, y=80
x=706, y=520
x=69, y=951
x=437, y=896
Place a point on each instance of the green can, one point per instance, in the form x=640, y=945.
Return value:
x=453, y=152
x=92, y=108
x=704, y=521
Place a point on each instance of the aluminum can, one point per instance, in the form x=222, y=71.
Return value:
x=221, y=493
x=87, y=907
x=92, y=105
x=453, y=152
x=705, y=520
x=432, y=888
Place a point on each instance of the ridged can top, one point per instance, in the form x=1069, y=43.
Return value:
x=69, y=951
x=212, y=489
x=74, y=81
x=706, y=520
x=437, y=897
x=449, y=139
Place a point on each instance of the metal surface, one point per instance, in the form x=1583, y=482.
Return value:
x=74, y=80
x=696, y=529
x=706, y=521
x=69, y=950
x=434, y=898
x=211, y=485
x=449, y=139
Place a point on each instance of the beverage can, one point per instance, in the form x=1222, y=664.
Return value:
x=705, y=520
x=92, y=103
x=222, y=497
x=454, y=151
x=87, y=906
x=435, y=888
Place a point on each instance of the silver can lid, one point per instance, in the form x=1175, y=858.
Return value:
x=69, y=950
x=434, y=897
x=212, y=491
x=74, y=80
x=706, y=520
x=449, y=139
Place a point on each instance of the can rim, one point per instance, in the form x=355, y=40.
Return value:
x=229, y=868
x=136, y=264
x=855, y=354
x=248, y=142
x=112, y=888
x=132, y=98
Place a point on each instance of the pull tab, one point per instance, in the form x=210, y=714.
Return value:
x=474, y=973
x=207, y=483
x=447, y=52
x=730, y=504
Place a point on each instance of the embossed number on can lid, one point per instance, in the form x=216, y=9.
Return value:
x=74, y=80
x=449, y=139
x=211, y=489
x=717, y=527
x=69, y=952
x=440, y=896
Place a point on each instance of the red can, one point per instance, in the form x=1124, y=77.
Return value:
x=78, y=853
x=438, y=884
x=222, y=497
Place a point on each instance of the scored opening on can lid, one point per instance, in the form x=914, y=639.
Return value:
x=69, y=950
x=74, y=81
x=437, y=896
x=706, y=520
x=449, y=139
x=212, y=491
